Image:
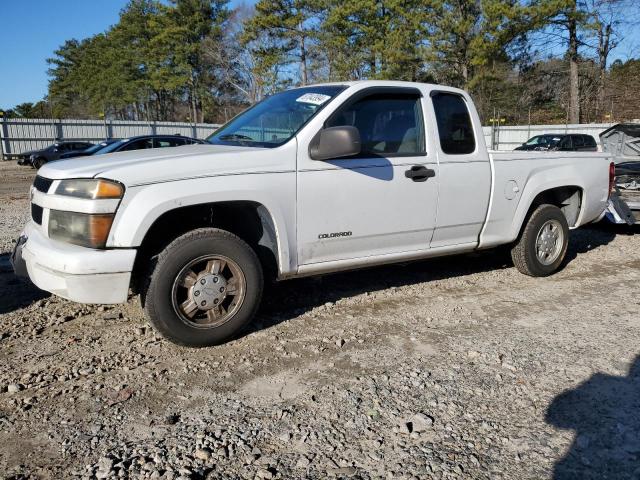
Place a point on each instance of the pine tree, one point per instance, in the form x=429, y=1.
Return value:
x=282, y=32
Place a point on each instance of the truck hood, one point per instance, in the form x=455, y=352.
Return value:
x=139, y=167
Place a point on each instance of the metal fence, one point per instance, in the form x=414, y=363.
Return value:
x=23, y=134
x=509, y=137
x=19, y=135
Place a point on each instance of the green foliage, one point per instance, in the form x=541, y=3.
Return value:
x=373, y=39
x=143, y=67
x=282, y=34
x=197, y=60
x=27, y=110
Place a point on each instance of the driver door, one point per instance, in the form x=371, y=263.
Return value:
x=373, y=203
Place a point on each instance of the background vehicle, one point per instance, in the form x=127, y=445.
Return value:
x=147, y=141
x=37, y=158
x=89, y=151
x=312, y=180
x=622, y=141
x=562, y=142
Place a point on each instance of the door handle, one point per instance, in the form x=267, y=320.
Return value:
x=419, y=173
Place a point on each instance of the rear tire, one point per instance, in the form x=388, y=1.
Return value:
x=542, y=245
x=205, y=286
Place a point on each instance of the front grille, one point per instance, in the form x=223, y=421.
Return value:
x=36, y=213
x=42, y=184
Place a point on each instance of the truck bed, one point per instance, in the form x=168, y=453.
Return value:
x=516, y=174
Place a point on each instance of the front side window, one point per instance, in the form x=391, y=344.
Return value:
x=390, y=124
x=168, y=142
x=276, y=119
x=454, y=124
x=565, y=142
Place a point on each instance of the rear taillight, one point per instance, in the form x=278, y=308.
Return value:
x=612, y=177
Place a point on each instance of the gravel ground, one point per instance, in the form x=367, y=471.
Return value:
x=454, y=368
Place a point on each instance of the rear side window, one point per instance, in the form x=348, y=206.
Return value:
x=454, y=124
x=589, y=141
x=138, y=145
x=169, y=142
x=578, y=141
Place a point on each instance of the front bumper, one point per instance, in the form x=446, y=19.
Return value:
x=77, y=273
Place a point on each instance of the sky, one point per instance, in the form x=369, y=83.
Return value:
x=31, y=30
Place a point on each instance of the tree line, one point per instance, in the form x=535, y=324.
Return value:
x=538, y=61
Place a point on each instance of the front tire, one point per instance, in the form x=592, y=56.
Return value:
x=542, y=245
x=38, y=163
x=206, y=285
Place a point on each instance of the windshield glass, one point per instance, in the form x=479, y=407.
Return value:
x=111, y=147
x=95, y=148
x=534, y=140
x=275, y=119
x=544, y=140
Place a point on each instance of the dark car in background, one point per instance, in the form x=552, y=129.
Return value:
x=570, y=142
x=92, y=150
x=64, y=150
x=37, y=158
x=138, y=143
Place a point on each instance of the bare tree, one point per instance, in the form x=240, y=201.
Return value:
x=607, y=22
x=235, y=65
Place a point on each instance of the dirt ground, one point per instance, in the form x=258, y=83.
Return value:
x=459, y=367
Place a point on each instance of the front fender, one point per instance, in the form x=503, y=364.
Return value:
x=143, y=205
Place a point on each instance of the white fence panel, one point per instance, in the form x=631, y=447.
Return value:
x=19, y=135
x=22, y=134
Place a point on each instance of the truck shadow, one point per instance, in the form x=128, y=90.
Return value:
x=287, y=300
x=17, y=293
x=604, y=412
x=582, y=240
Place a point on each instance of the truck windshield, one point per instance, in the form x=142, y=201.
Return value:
x=275, y=119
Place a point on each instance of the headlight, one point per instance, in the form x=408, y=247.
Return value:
x=90, y=188
x=87, y=230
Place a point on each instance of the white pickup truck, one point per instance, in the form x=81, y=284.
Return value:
x=309, y=181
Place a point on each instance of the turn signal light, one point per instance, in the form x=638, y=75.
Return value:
x=108, y=190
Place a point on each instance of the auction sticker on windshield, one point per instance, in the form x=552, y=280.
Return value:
x=313, y=98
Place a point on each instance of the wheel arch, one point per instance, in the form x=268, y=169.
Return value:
x=250, y=220
x=568, y=198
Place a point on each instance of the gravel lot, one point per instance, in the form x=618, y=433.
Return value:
x=454, y=368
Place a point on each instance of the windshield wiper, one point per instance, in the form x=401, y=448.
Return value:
x=235, y=136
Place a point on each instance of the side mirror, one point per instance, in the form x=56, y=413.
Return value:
x=335, y=142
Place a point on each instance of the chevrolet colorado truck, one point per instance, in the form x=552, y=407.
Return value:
x=309, y=181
